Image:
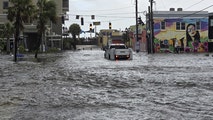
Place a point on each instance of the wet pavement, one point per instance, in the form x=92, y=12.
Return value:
x=82, y=85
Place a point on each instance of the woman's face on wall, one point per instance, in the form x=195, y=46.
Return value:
x=191, y=30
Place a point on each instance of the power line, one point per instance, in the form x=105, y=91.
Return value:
x=117, y=13
x=194, y=4
x=107, y=16
x=198, y=11
x=106, y=9
x=115, y=16
x=102, y=21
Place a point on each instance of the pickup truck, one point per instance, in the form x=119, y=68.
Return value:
x=118, y=51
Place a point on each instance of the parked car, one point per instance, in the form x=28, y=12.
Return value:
x=118, y=51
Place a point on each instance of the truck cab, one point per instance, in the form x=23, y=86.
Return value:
x=118, y=51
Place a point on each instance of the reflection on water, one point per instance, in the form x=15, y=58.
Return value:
x=83, y=85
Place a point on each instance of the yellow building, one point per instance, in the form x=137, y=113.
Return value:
x=106, y=36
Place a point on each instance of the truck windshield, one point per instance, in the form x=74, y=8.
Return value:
x=118, y=46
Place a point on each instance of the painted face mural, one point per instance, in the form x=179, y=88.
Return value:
x=191, y=30
x=192, y=36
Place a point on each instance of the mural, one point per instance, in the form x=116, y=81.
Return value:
x=190, y=35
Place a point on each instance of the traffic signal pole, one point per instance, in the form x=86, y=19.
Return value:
x=136, y=18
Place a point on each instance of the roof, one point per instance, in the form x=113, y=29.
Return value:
x=117, y=44
x=180, y=14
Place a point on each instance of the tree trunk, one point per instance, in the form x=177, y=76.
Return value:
x=15, y=45
x=38, y=45
x=36, y=54
x=74, y=45
x=16, y=36
x=8, y=45
x=74, y=42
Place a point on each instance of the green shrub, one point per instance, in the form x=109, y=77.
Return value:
x=21, y=49
x=52, y=50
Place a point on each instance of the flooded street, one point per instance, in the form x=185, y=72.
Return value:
x=82, y=85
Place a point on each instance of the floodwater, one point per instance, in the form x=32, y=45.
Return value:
x=82, y=85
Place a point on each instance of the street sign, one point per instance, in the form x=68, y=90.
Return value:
x=96, y=23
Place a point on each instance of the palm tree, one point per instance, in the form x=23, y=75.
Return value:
x=75, y=30
x=47, y=13
x=18, y=13
x=1, y=37
x=8, y=32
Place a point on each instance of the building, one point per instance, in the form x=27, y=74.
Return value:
x=189, y=28
x=54, y=31
x=141, y=44
x=3, y=11
x=107, y=36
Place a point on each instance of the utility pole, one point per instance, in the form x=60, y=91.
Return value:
x=151, y=27
x=136, y=18
x=148, y=31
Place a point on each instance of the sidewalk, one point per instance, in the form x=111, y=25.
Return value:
x=42, y=57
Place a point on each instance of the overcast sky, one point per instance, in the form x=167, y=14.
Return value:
x=121, y=13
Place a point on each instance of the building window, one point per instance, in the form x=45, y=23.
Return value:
x=65, y=3
x=183, y=26
x=5, y=12
x=1, y=27
x=163, y=25
x=177, y=25
x=5, y=5
x=198, y=25
x=180, y=26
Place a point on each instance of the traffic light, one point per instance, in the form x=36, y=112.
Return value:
x=110, y=25
x=82, y=21
x=140, y=22
x=90, y=27
x=92, y=17
x=77, y=17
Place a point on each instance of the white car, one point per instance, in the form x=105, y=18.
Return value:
x=118, y=51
